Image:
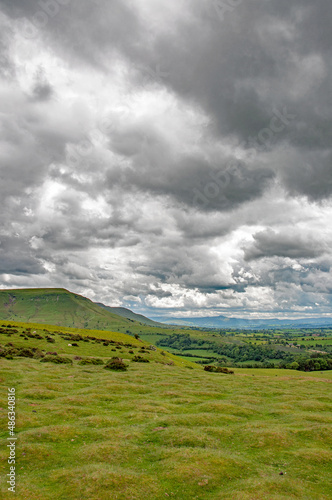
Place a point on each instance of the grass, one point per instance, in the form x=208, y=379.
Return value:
x=57, y=307
x=126, y=346
x=160, y=431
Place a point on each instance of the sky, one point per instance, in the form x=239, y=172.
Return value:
x=173, y=157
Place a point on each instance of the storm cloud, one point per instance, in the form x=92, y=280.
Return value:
x=173, y=158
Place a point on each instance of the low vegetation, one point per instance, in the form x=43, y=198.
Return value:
x=158, y=431
x=105, y=415
x=116, y=364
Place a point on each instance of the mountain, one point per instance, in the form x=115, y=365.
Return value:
x=240, y=323
x=127, y=313
x=57, y=306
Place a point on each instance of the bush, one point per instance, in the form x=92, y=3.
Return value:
x=91, y=361
x=22, y=352
x=218, y=369
x=56, y=359
x=140, y=359
x=224, y=370
x=116, y=364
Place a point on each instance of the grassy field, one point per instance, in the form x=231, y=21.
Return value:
x=59, y=340
x=160, y=431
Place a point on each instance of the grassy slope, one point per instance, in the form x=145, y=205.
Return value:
x=126, y=313
x=86, y=349
x=58, y=307
x=161, y=431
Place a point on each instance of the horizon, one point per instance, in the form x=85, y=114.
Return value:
x=191, y=316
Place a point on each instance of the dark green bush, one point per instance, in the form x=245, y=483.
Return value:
x=217, y=369
x=140, y=359
x=116, y=364
x=56, y=359
x=91, y=361
x=19, y=351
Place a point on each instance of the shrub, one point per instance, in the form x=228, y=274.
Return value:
x=224, y=370
x=91, y=361
x=19, y=351
x=217, y=369
x=56, y=359
x=116, y=364
x=39, y=354
x=140, y=359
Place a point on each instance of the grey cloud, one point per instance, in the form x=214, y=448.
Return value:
x=17, y=258
x=147, y=217
x=192, y=180
x=238, y=71
x=284, y=244
x=311, y=175
x=42, y=90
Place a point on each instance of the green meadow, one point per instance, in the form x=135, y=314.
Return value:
x=163, y=429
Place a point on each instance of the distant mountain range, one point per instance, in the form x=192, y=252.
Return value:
x=224, y=322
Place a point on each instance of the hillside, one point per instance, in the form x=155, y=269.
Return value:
x=127, y=313
x=104, y=344
x=57, y=306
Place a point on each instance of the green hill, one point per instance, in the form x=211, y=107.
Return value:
x=127, y=313
x=57, y=306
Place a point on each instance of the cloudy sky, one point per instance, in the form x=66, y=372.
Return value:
x=173, y=157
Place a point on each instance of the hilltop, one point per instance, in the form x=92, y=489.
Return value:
x=57, y=306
